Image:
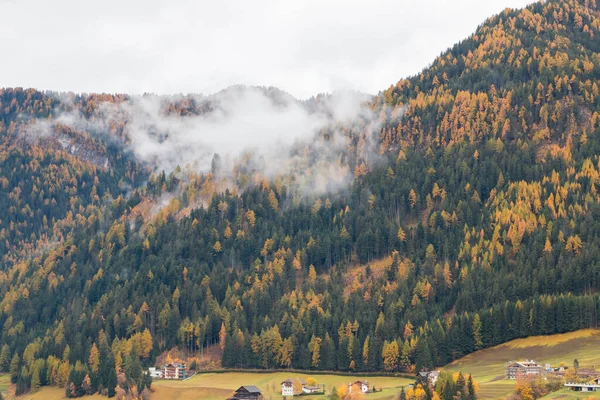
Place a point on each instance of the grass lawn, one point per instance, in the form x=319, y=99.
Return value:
x=213, y=386
x=54, y=393
x=488, y=366
x=567, y=394
x=4, y=383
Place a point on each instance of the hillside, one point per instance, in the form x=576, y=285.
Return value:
x=489, y=365
x=455, y=211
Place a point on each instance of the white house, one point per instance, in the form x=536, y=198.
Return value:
x=287, y=387
x=312, y=389
x=360, y=386
x=155, y=373
x=431, y=376
x=521, y=369
x=592, y=386
x=174, y=371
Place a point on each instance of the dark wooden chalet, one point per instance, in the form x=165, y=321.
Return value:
x=247, y=392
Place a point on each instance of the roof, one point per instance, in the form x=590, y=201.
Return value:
x=174, y=365
x=249, y=389
x=361, y=382
x=526, y=363
x=586, y=371
x=429, y=374
x=581, y=385
x=290, y=380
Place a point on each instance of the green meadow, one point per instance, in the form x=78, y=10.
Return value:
x=217, y=386
x=489, y=366
x=566, y=394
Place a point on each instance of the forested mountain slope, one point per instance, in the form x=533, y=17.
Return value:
x=475, y=179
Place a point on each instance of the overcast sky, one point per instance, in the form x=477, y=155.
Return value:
x=181, y=46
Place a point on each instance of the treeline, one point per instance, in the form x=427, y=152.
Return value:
x=434, y=344
x=107, y=371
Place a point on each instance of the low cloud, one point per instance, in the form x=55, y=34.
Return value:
x=264, y=130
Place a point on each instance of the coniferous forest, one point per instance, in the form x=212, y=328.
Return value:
x=471, y=217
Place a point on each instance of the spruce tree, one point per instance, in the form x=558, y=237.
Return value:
x=423, y=355
x=471, y=388
x=402, y=394
x=5, y=358
x=14, y=368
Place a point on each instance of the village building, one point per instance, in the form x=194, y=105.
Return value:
x=296, y=387
x=313, y=389
x=549, y=368
x=155, y=373
x=358, y=387
x=591, y=386
x=292, y=387
x=523, y=369
x=174, y=371
x=430, y=376
x=247, y=392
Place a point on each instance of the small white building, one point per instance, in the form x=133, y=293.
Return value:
x=287, y=387
x=155, y=373
x=359, y=386
x=431, y=376
x=592, y=386
x=312, y=389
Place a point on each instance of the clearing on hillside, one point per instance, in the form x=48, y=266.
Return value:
x=489, y=366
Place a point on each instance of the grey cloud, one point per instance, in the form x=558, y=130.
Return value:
x=185, y=46
x=265, y=130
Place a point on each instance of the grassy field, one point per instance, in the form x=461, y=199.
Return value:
x=488, y=366
x=566, y=394
x=54, y=393
x=4, y=383
x=217, y=386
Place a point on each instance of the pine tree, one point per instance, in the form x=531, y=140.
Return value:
x=5, y=358
x=365, y=353
x=334, y=394
x=405, y=361
x=390, y=355
x=477, y=337
x=402, y=394
x=106, y=372
x=14, y=368
x=471, y=389
x=460, y=386
x=314, y=346
x=423, y=359
x=94, y=359
x=222, y=336
x=35, y=378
